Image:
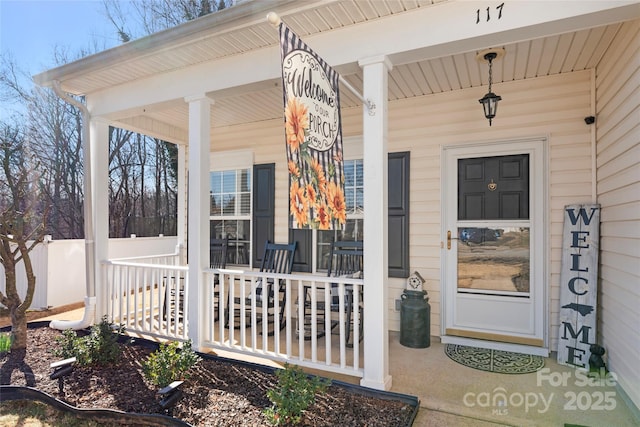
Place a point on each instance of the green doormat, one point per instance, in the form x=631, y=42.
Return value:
x=503, y=362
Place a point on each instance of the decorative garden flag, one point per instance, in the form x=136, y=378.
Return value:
x=313, y=136
x=578, y=284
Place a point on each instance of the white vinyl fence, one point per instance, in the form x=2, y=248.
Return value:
x=59, y=266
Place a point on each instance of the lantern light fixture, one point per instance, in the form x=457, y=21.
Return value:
x=490, y=100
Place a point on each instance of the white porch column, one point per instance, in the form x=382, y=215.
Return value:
x=198, y=216
x=99, y=141
x=181, y=214
x=376, y=333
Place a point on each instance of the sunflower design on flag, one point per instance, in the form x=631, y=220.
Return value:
x=313, y=136
x=316, y=198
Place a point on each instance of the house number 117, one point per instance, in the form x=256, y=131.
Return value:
x=488, y=9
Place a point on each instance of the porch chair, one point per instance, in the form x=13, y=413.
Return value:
x=345, y=260
x=277, y=258
x=217, y=259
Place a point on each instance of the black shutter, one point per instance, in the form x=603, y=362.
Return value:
x=264, y=196
x=398, y=224
x=304, y=249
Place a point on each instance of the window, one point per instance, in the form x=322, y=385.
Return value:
x=354, y=199
x=230, y=212
x=314, y=245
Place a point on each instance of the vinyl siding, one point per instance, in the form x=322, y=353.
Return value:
x=551, y=107
x=618, y=189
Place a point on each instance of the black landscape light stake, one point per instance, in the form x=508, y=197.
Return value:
x=61, y=369
x=169, y=396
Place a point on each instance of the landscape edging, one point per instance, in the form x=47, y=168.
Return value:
x=12, y=392
x=386, y=395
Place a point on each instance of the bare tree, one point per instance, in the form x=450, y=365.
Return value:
x=54, y=130
x=150, y=16
x=23, y=214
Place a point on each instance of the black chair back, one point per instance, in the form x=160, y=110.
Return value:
x=345, y=258
x=278, y=258
x=218, y=253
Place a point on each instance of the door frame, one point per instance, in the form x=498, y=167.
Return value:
x=537, y=148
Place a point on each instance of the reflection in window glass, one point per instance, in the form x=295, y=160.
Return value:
x=354, y=186
x=493, y=259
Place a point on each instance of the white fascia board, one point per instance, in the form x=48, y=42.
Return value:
x=235, y=71
x=430, y=32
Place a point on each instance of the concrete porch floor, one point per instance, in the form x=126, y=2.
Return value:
x=454, y=395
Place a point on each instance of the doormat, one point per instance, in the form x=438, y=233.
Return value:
x=502, y=362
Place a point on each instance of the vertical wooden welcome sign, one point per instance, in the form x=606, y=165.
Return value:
x=578, y=284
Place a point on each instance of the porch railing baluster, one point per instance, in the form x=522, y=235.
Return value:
x=239, y=328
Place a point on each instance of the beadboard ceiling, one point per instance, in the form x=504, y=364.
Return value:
x=575, y=51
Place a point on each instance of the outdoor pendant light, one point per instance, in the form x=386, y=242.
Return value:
x=490, y=100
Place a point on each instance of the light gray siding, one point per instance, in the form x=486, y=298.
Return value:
x=618, y=188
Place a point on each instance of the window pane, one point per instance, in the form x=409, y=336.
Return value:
x=215, y=205
x=322, y=251
x=353, y=185
x=229, y=204
x=245, y=203
x=359, y=173
x=245, y=180
x=216, y=229
x=495, y=259
x=349, y=198
x=354, y=200
x=359, y=203
x=243, y=230
x=216, y=182
x=349, y=179
x=352, y=231
x=229, y=181
x=238, y=250
x=230, y=196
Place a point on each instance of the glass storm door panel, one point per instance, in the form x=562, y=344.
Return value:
x=494, y=258
x=492, y=288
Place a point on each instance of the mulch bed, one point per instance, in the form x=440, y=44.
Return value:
x=218, y=392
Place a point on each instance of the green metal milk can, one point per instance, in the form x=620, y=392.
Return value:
x=415, y=315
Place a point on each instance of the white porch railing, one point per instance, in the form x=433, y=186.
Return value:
x=147, y=295
x=303, y=340
x=152, y=299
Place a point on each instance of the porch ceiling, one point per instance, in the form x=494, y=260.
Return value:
x=237, y=30
x=557, y=54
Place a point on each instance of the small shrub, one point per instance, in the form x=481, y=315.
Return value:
x=70, y=345
x=100, y=347
x=5, y=343
x=169, y=363
x=293, y=394
x=103, y=342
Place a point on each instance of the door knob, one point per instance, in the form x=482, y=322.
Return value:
x=449, y=239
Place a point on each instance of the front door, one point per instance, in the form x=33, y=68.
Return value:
x=493, y=274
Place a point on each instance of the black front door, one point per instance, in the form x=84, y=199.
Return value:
x=493, y=188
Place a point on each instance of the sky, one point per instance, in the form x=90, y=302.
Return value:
x=30, y=30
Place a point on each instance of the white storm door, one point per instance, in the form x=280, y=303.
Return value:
x=493, y=242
